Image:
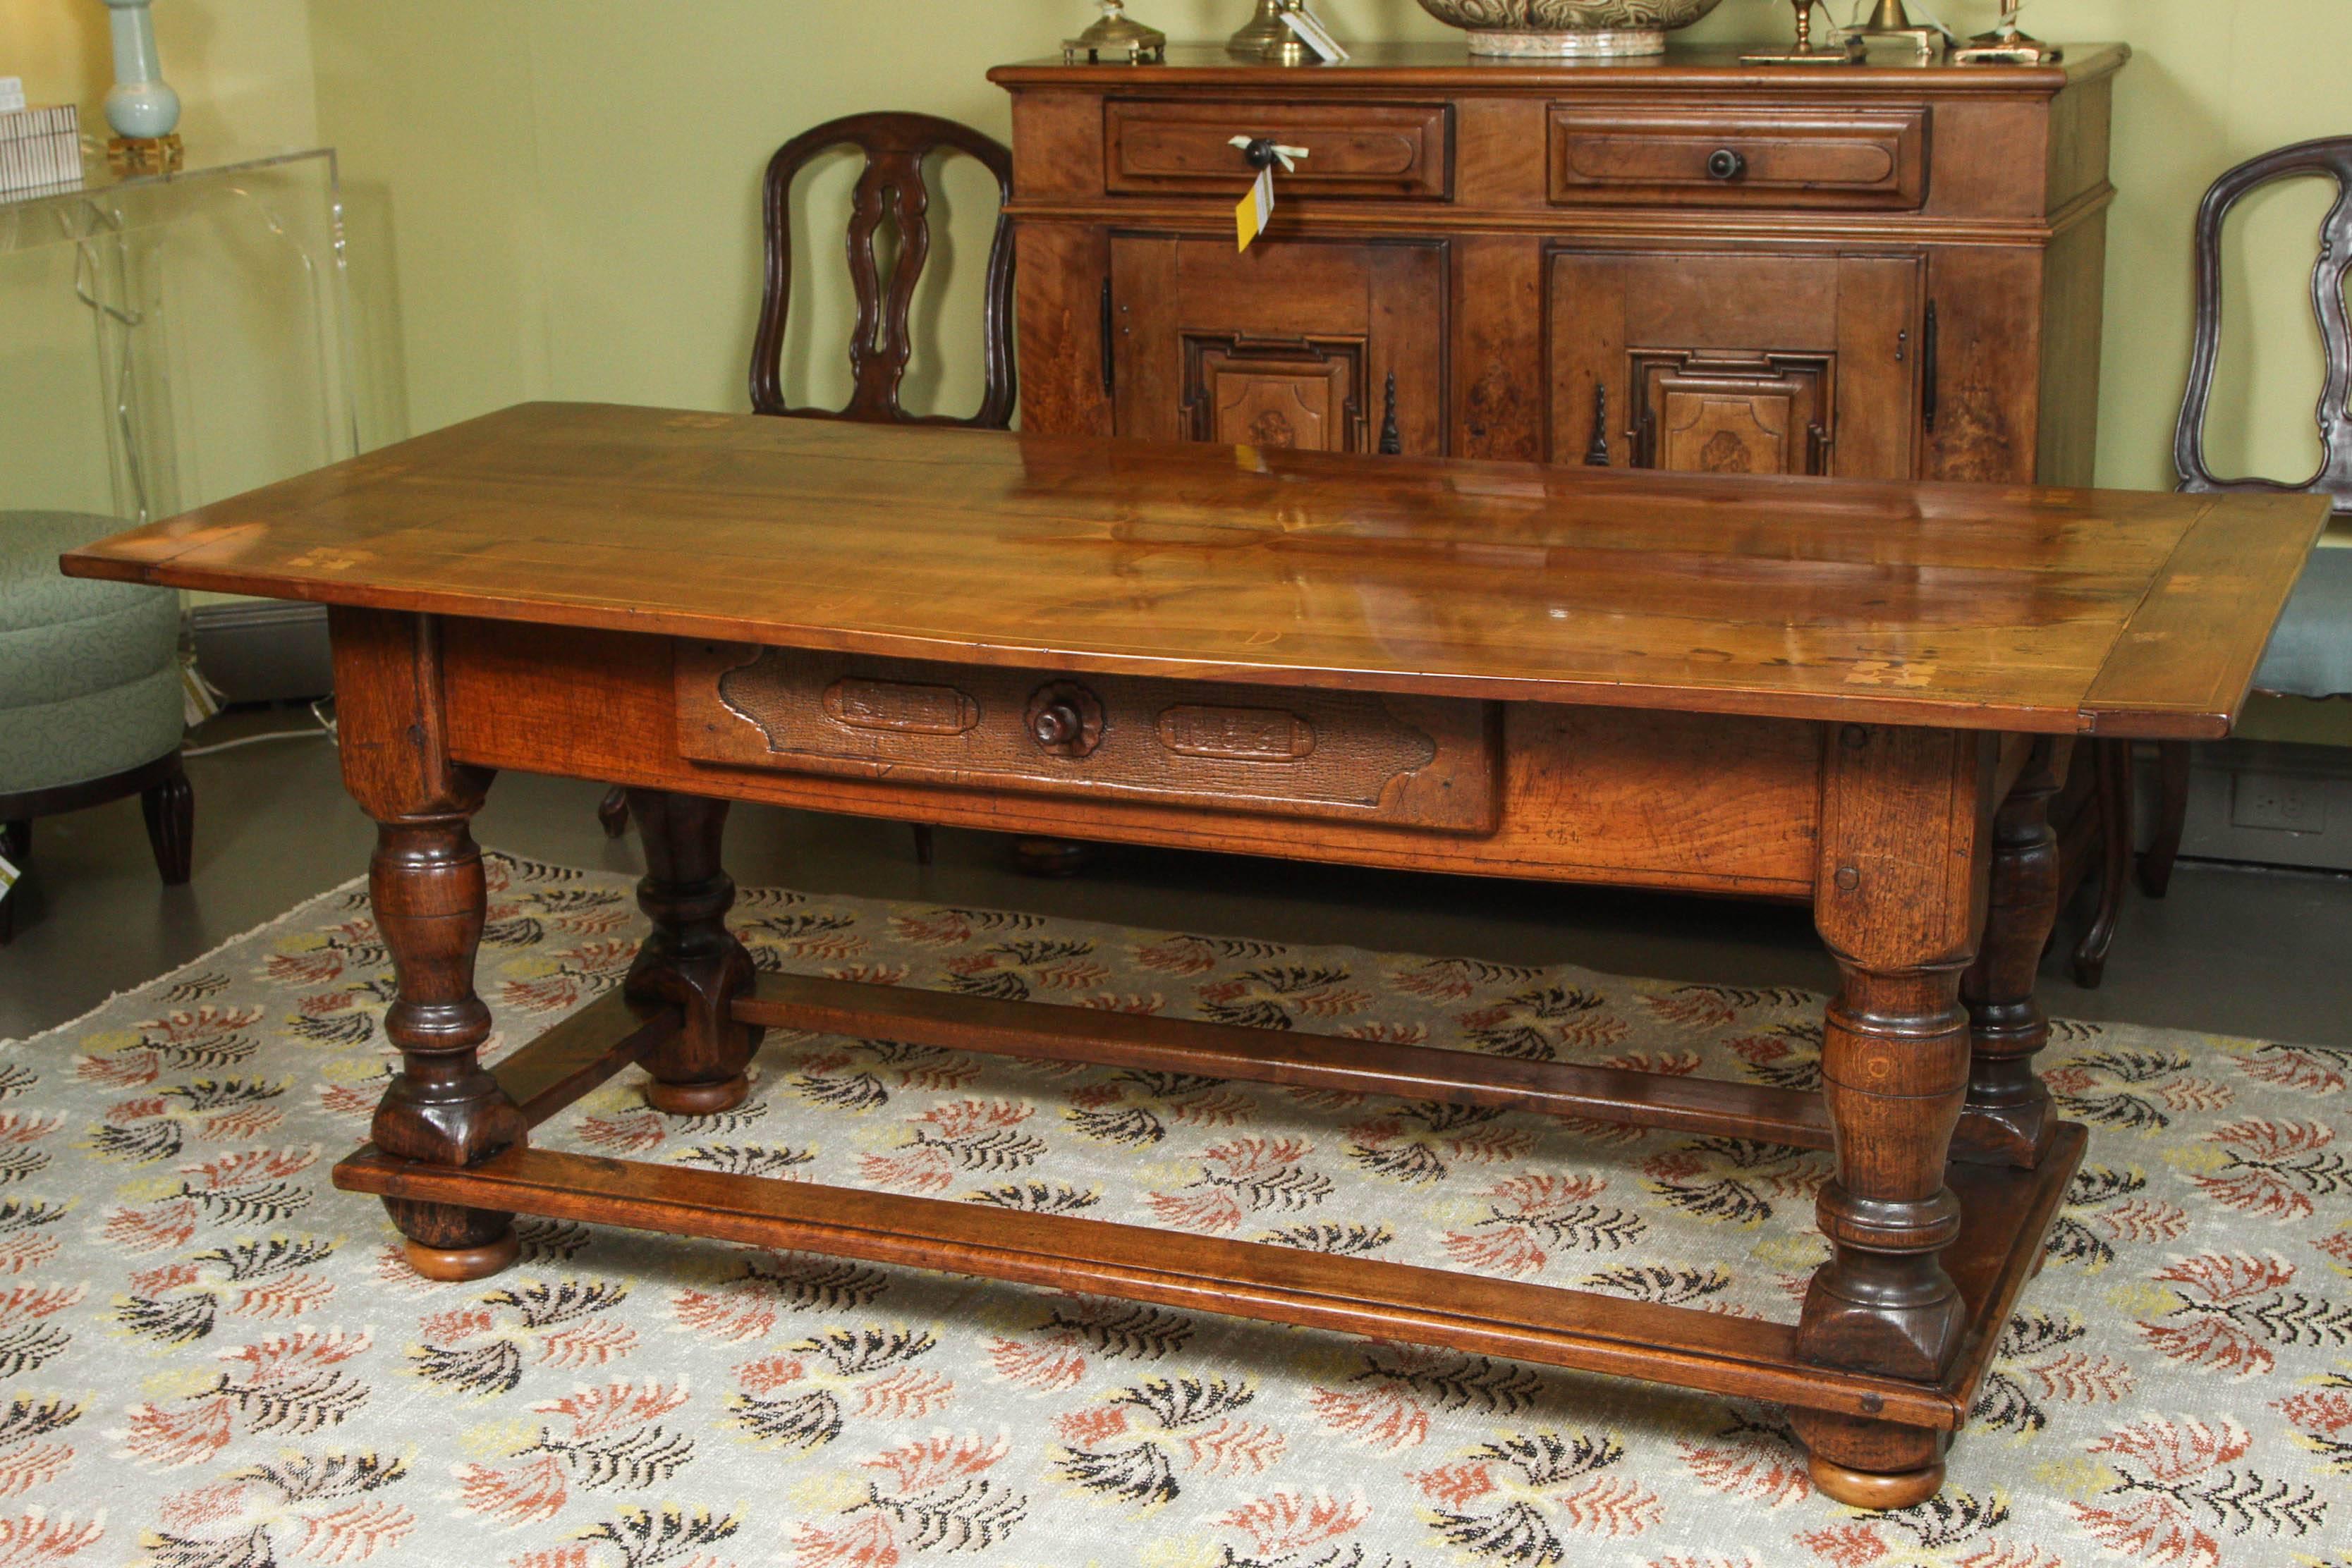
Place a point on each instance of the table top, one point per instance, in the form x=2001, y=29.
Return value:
x=1965, y=606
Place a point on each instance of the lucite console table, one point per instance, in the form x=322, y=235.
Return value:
x=166, y=341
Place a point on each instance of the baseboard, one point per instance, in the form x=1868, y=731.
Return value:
x=2271, y=803
x=263, y=650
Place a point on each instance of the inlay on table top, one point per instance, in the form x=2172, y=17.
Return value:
x=1966, y=606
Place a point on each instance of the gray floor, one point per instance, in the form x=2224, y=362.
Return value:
x=2231, y=951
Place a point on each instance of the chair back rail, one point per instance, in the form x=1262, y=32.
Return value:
x=2331, y=157
x=881, y=344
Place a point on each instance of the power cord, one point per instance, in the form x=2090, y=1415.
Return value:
x=321, y=711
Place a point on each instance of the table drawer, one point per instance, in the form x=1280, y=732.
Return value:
x=1410, y=762
x=1761, y=158
x=1364, y=150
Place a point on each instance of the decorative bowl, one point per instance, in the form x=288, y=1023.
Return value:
x=1557, y=27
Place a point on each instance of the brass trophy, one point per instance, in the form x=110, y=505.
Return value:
x=2007, y=45
x=1115, y=37
x=1850, y=49
x=1889, y=19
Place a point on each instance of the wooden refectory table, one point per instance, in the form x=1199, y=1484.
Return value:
x=1858, y=694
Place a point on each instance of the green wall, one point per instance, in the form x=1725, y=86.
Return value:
x=559, y=198
x=569, y=190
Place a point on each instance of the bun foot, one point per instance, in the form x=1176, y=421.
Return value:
x=1868, y=1489
x=698, y=1099
x=1049, y=857
x=458, y=1264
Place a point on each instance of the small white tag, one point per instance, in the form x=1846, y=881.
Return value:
x=8, y=876
x=1251, y=214
x=199, y=698
x=1315, y=36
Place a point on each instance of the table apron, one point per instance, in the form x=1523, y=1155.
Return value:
x=1616, y=796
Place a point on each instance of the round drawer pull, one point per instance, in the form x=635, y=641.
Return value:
x=1057, y=723
x=1064, y=718
x=1726, y=163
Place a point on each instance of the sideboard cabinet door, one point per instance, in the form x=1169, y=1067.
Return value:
x=1710, y=362
x=1291, y=343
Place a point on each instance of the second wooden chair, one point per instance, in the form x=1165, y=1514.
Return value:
x=891, y=190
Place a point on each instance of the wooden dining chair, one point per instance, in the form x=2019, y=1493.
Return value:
x=2323, y=590
x=892, y=189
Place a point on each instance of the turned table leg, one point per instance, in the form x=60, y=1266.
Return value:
x=691, y=960
x=1898, y=902
x=427, y=883
x=2010, y=1119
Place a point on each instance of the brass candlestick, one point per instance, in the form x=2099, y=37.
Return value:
x=1116, y=35
x=1890, y=20
x=1263, y=29
x=1850, y=50
x=2008, y=44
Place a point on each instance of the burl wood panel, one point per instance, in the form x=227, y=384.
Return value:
x=1655, y=800
x=1409, y=761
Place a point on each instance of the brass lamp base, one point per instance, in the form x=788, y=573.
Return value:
x=146, y=154
x=1116, y=37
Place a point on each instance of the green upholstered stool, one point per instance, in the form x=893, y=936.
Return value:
x=90, y=693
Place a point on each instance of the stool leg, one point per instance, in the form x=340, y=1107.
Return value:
x=613, y=811
x=691, y=960
x=170, y=808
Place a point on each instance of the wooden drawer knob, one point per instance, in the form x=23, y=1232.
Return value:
x=1065, y=719
x=1726, y=163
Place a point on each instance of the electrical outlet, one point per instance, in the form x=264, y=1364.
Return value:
x=2280, y=802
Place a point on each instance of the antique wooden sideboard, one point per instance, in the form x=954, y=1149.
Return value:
x=1859, y=695
x=1888, y=272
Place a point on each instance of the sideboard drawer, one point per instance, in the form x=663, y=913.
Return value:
x=1156, y=147
x=1409, y=762
x=1763, y=158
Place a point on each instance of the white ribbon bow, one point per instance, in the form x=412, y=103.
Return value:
x=1284, y=153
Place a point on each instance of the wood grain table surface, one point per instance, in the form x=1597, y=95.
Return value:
x=2031, y=611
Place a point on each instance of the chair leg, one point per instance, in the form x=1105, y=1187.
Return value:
x=923, y=846
x=2171, y=817
x=170, y=805
x=15, y=847
x=614, y=812
x=2113, y=759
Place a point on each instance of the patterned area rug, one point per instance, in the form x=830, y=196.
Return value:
x=210, y=1359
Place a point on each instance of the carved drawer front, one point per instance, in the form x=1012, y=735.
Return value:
x=1368, y=150
x=1763, y=158
x=1413, y=762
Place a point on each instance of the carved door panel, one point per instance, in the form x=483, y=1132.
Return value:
x=1702, y=413
x=1304, y=344
x=1294, y=394
x=1720, y=363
